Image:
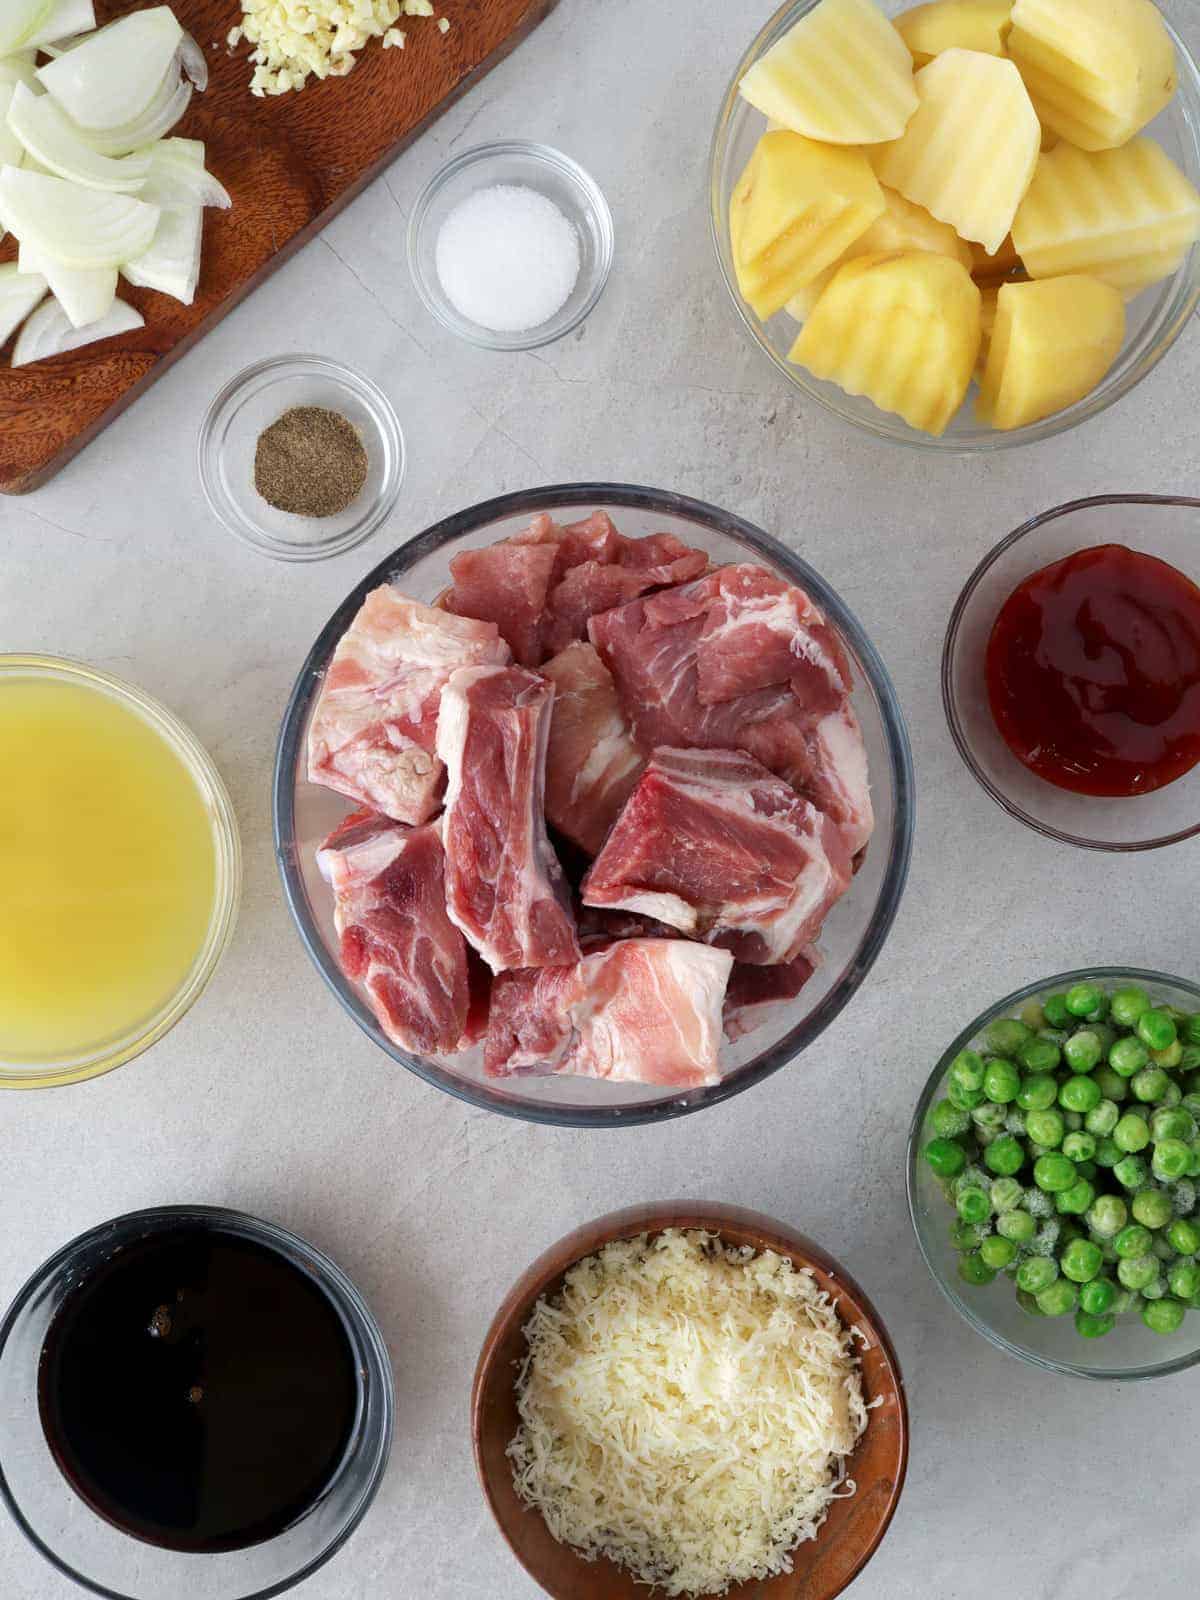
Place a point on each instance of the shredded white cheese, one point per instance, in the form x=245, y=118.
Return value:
x=686, y=1410
x=297, y=39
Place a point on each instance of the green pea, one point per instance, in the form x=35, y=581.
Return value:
x=1097, y=1296
x=1112, y=1085
x=1004, y=1156
x=1079, y=1147
x=1046, y=1128
x=1156, y=1029
x=1081, y=1261
x=1191, y=1104
x=1059, y=1299
x=1189, y=1061
x=1054, y=1173
x=1028, y=1303
x=967, y=1235
x=1108, y=1152
x=1081, y=1095
x=1184, y=1236
x=1156, y=1289
x=1149, y=1085
x=1131, y=1172
x=1135, y=1272
x=1085, y=1169
x=1099, y=1013
x=1128, y=1005
x=1170, y=1058
x=948, y=1121
x=1054, y=1009
x=1088, y=1326
x=1036, y=1273
x=1172, y=1122
x=945, y=1157
x=1132, y=1133
x=1152, y=1208
x=1082, y=1051
x=967, y=1069
x=997, y=1252
x=1127, y=1056
x=1163, y=1316
x=1083, y=998
x=1126, y=1300
x=1183, y=1280
x=964, y=1099
x=1005, y=1036
x=1108, y=1215
x=1039, y=1055
x=1001, y=1080
x=1075, y=1200
x=1183, y=1197
x=974, y=1270
x=1056, y=1036
x=1171, y=1095
x=1101, y=1119
x=989, y=1116
x=1072, y=1120
x=973, y=1205
x=1172, y=1159
x=1038, y=1092
x=1193, y=1170
x=1162, y=1248
x=1134, y=1240
x=1006, y=1194
x=1018, y=1226
x=1189, y=1029
x=1032, y=1014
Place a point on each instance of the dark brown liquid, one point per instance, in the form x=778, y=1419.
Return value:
x=198, y=1390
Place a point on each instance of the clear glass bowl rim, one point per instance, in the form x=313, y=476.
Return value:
x=1171, y=319
x=332, y=1279
x=949, y=701
x=548, y=332
x=1146, y=977
x=228, y=853
x=255, y=537
x=616, y=496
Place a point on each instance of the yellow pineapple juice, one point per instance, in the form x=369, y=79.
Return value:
x=108, y=870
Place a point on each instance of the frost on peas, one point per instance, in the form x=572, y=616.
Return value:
x=1014, y=1122
x=1038, y=1203
x=1047, y=1238
x=1183, y=1197
x=972, y=1177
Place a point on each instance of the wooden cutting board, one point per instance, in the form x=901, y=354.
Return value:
x=290, y=162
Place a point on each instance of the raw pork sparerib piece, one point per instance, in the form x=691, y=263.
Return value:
x=673, y=654
x=755, y=993
x=592, y=762
x=396, y=939
x=642, y=1010
x=373, y=730
x=506, y=584
x=713, y=844
x=504, y=886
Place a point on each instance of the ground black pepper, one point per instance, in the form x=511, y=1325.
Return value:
x=310, y=462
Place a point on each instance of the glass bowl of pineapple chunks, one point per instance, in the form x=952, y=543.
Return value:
x=967, y=224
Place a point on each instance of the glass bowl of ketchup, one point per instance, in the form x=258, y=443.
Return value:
x=1071, y=672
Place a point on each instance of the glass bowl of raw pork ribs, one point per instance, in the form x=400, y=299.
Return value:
x=593, y=804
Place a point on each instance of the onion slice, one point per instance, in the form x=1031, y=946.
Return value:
x=12, y=151
x=19, y=293
x=159, y=118
x=19, y=21
x=191, y=59
x=115, y=74
x=48, y=331
x=19, y=69
x=75, y=226
x=172, y=263
x=177, y=176
x=85, y=295
x=67, y=18
x=45, y=131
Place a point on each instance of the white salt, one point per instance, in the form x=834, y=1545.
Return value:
x=507, y=258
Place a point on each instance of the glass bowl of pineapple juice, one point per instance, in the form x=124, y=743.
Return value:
x=1155, y=319
x=121, y=868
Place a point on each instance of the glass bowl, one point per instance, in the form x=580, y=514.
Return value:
x=95, y=1553
x=1155, y=319
x=1130, y=1350
x=256, y=398
x=533, y=166
x=110, y=1053
x=1153, y=524
x=856, y=928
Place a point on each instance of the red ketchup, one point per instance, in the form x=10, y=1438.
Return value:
x=1093, y=672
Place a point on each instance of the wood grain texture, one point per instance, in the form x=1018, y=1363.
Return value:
x=290, y=163
x=856, y=1524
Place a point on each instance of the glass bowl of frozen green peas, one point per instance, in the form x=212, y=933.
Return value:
x=1054, y=1173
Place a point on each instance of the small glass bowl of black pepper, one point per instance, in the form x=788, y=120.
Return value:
x=192, y=1402
x=301, y=458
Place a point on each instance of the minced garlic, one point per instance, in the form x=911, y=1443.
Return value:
x=297, y=39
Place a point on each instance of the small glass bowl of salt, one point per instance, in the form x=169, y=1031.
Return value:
x=510, y=245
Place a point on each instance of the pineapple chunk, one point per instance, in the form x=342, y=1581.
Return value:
x=842, y=74
x=987, y=267
x=969, y=153
x=903, y=226
x=1097, y=74
x=901, y=329
x=955, y=25
x=988, y=306
x=1126, y=216
x=1051, y=345
x=796, y=208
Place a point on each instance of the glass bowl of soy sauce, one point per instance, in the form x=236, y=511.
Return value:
x=192, y=1402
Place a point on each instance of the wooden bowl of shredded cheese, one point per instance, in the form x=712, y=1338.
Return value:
x=694, y=1397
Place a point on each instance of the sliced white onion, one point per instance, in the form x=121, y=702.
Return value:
x=12, y=151
x=192, y=60
x=48, y=331
x=172, y=263
x=19, y=21
x=116, y=73
x=46, y=132
x=176, y=178
x=19, y=69
x=160, y=117
x=67, y=18
x=75, y=226
x=19, y=293
x=85, y=296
